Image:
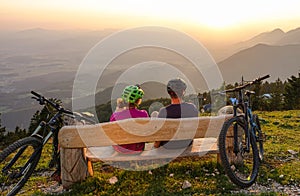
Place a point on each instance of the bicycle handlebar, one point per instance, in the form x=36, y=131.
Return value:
x=43, y=99
x=36, y=94
x=238, y=88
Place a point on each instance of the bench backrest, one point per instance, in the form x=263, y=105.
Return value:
x=140, y=130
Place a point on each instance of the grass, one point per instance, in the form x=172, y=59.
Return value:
x=203, y=173
x=283, y=134
x=166, y=180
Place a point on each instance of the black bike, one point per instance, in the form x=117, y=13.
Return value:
x=18, y=160
x=241, y=139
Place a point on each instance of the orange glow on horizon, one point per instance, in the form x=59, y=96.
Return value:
x=226, y=18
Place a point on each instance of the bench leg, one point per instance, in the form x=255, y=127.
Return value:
x=90, y=168
x=219, y=159
x=73, y=166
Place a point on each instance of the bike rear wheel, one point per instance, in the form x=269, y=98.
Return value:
x=240, y=166
x=17, y=163
x=259, y=137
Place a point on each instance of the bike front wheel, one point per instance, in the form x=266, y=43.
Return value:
x=238, y=157
x=17, y=163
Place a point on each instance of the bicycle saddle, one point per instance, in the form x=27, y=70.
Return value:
x=248, y=93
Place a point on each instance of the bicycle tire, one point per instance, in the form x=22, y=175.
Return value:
x=30, y=149
x=259, y=137
x=241, y=167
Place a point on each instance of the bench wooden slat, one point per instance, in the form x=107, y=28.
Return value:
x=97, y=139
x=200, y=147
x=140, y=130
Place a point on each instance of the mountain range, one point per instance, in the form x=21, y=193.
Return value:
x=46, y=61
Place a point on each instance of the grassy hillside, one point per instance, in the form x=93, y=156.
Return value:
x=202, y=176
x=283, y=135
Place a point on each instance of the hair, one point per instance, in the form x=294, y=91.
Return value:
x=135, y=104
x=175, y=95
x=121, y=105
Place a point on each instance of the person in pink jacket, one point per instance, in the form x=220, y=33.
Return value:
x=132, y=95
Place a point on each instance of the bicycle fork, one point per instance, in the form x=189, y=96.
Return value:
x=237, y=148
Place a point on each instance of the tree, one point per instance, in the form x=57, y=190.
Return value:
x=276, y=102
x=2, y=132
x=292, y=93
x=46, y=113
x=256, y=98
x=35, y=120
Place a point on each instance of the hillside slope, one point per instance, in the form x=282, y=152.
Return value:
x=278, y=61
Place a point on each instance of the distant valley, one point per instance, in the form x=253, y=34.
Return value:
x=47, y=61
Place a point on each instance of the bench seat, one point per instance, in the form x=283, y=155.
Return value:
x=200, y=147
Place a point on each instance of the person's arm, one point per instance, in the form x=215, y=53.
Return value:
x=194, y=110
x=112, y=117
x=146, y=114
x=162, y=113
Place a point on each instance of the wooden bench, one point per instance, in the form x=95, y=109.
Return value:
x=82, y=145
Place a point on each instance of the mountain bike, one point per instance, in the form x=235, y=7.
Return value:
x=241, y=138
x=18, y=160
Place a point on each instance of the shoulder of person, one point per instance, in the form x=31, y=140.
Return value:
x=141, y=113
x=190, y=104
x=162, y=112
x=116, y=115
x=192, y=107
x=144, y=112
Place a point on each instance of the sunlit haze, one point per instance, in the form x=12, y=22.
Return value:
x=229, y=18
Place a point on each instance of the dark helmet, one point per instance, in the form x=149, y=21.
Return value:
x=176, y=86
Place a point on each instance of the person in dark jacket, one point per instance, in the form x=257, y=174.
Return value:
x=177, y=109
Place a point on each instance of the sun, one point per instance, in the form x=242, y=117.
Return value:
x=213, y=14
x=217, y=22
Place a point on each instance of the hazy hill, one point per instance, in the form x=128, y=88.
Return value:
x=151, y=89
x=47, y=60
x=263, y=38
x=278, y=61
x=154, y=90
x=291, y=37
x=274, y=37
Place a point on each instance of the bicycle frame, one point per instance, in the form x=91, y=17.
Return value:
x=43, y=125
x=241, y=150
x=244, y=105
x=247, y=117
x=18, y=175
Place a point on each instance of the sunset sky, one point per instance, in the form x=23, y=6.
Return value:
x=228, y=18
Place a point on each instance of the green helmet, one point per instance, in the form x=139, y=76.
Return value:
x=132, y=93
